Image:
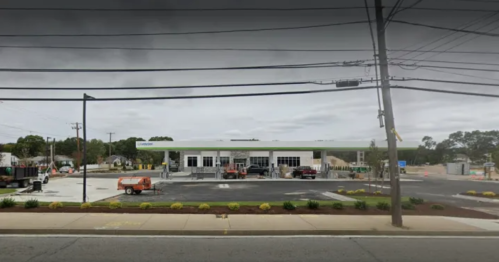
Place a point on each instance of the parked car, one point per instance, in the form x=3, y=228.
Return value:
x=64, y=169
x=256, y=169
x=304, y=172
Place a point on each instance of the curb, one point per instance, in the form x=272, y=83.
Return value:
x=124, y=232
x=479, y=199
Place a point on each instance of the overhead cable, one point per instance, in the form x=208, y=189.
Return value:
x=160, y=87
x=446, y=28
x=282, y=66
x=442, y=9
x=188, y=33
x=304, y=92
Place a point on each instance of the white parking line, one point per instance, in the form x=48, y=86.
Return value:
x=378, y=186
x=223, y=185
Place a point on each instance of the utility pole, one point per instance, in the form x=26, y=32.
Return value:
x=109, y=160
x=47, y=151
x=78, y=153
x=389, y=119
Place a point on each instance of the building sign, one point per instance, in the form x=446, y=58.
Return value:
x=146, y=144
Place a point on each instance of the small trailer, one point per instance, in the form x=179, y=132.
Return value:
x=134, y=184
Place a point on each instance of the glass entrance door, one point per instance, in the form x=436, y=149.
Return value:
x=239, y=163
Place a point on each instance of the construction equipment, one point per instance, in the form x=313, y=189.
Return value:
x=135, y=185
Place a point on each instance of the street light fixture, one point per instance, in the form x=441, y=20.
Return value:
x=85, y=98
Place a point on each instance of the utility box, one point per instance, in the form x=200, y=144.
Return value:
x=461, y=168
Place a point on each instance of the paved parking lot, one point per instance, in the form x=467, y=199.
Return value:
x=432, y=190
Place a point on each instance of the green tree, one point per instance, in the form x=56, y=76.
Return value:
x=127, y=147
x=374, y=160
x=30, y=146
x=95, y=149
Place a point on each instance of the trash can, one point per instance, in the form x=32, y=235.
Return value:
x=37, y=185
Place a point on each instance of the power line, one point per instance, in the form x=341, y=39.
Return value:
x=446, y=62
x=176, y=9
x=239, y=49
x=466, y=41
x=193, y=97
x=392, y=12
x=285, y=66
x=14, y=127
x=230, y=9
x=442, y=67
x=460, y=74
x=375, y=56
x=188, y=33
x=446, y=28
x=248, y=95
x=464, y=26
x=161, y=87
x=444, y=81
x=445, y=91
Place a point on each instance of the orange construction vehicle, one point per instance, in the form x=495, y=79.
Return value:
x=234, y=172
x=134, y=184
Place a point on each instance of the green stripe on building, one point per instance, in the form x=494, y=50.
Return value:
x=264, y=148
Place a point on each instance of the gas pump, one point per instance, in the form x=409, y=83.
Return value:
x=272, y=171
x=218, y=174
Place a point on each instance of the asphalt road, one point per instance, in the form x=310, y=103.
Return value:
x=433, y=190
x=109, y=249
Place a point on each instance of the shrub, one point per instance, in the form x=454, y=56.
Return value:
x=471, y=192
x=338, y=205
x=416, y=200
x=312, y=204
x=7, y=202
x=408, y=206
x=115, y=205
x=177, y=206
x=350, y=192
x=32, y=203
x=204, y=206
x=489, y=194
x=360, y=205
x=288, y=205
x=145, y=205
x=383, y=206
x=341, y=191
x=86, y=205
x=360, y=191
x=377, y=193
x=56, y=205
x=123, y=167
x=437, y=207
x=153, y=167
x=265, y=206
x=233, y=206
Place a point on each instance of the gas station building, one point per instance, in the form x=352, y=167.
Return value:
x=206, y=154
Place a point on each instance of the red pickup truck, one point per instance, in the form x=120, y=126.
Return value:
x=304, y=172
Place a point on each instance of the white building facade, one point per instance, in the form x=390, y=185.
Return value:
x=206, y=154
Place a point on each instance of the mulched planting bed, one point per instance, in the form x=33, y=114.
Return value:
x=421, y=210
x=480, y=195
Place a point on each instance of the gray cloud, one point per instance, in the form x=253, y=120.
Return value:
x=338, y=116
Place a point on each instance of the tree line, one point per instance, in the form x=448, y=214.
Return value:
x=474, y=146
x=97, y=150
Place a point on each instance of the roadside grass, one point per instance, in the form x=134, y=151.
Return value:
x=323, y=203
x=7, y=190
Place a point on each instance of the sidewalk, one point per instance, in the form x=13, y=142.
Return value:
x=185, y=224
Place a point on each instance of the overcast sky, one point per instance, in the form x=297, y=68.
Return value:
x=336, y=116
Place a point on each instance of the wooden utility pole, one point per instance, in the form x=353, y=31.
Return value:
x=389, y=119
x=110, y=136
x=78, y=154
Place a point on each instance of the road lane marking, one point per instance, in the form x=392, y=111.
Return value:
x=223, y=185
x=378, y=186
